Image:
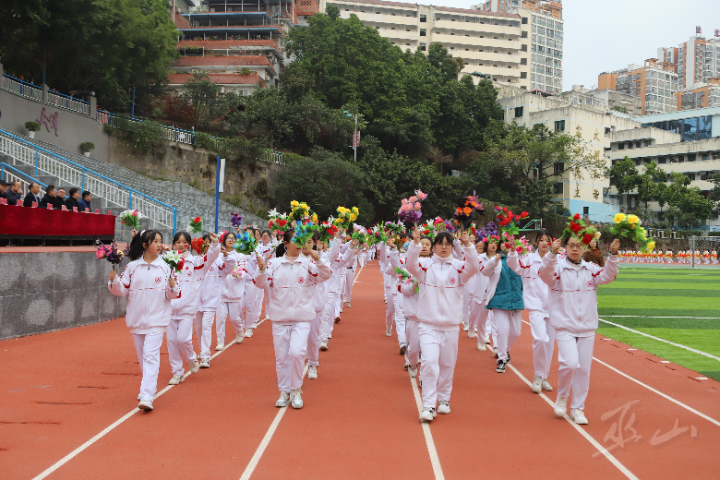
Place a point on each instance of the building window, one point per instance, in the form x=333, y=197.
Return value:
x=560, y=126
x=559, y=168
x=423, y=32
x=559, y=188
x=518, y=112
x=523, y=74
x=423, y=18
x=523, y=61
x=586, y=210
x=524, y=35
x=524, y=20
x=523, y=48
x=621, y=146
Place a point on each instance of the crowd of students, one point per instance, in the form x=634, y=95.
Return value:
x=434, y=286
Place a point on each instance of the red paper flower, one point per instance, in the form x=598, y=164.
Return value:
x=575, y=227
x=181, y=264
x=587, y=238
x=270, y=224
x=197, y=219
x=504, y=209
x=524, y=215
x=282, y=222
x=576, y=217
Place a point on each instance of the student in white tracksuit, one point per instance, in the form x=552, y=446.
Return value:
x=254, y=300
x=231, y=301
x=330, y=316
x=478, y=314
x=350, y=279
x=184, y=309
x=150, y=286
x=573, y=314
x=393, y=308
x=210, y=295
x=535, y=297
x=439, y=309
x=486, y=326
x=292, y=279
x=397, y=260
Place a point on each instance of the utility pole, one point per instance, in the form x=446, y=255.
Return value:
x=356, y=135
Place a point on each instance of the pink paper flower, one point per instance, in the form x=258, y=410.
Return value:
x=412, y=199
x=417, y=207
x=421, y=196
x=404, y=201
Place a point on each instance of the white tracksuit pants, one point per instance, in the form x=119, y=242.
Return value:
x=412, y=336
x=439, y=355
x=290, y=341
x=253, y=304
x=399, y=317
x=179, y=344
x=203, y=328
x=313, y=343
x=575, y=358
x=466, y=306
x=543, y=342
x=480, y=321
x=349, y=282
x=232, y=311
x=508, y=324
x=390, y=304
x=328, y=317
x=147, y=347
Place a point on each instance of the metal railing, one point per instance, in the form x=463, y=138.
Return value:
x=11, y=174
x=22, y=88
x=71, y=173
x=169, y=133
x=60, y=100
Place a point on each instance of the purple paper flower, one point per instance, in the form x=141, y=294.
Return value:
x=236, y=219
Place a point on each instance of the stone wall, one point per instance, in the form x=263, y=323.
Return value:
x=252, y=181
x=42, y=292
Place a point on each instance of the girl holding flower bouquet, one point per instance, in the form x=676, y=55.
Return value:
x=439, y=309
x=253, y=296
x=477, y=313
x=184, y=309
x=231, y=301
x=292, y=279
x=150, y=286
x=573, y=312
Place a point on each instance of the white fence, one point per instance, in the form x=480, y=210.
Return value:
x=70, y=173
x=169, y=133
x=23, y=89
x=11, y=175
x=69, y=103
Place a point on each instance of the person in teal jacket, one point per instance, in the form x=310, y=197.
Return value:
x=504, y=296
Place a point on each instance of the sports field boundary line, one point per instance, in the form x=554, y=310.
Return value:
x=429, y=441
x=625, y=471
x=679, y=345
x=654, y=390
x=655, y=316
x=117, y=423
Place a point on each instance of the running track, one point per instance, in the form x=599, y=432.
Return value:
x=360, y=420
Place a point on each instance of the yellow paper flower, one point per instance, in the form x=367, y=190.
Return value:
x=633, y=219
x=353, y=217
x=619, y=217
x=632, y=226
x=355, y=210
x=597, y=235
x=294, y=204
x=315, y=218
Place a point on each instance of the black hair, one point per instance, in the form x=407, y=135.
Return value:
x=288, y=235
x=137, y=246
x=443, y=236
x=266, y=231
x=49, y=188
x=73, y=191
x=85, y=193
x=226, y=237
x=206, y=236
x=3, y=183
x=185, y=235
x=542, y=233
x=316, y=239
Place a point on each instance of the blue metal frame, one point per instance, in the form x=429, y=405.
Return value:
x=4, y=165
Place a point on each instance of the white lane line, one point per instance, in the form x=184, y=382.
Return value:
x=655, y=316
x=432, y=451
x=668, y=397
x=587, y=436
x=97, y=437
x=679, y=345
x=266, y=440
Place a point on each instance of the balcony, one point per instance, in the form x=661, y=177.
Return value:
x=374, y=19
x=487, y=56
x=476, y=41
x=475, y=27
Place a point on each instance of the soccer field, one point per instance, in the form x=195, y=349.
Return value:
x=657, y=301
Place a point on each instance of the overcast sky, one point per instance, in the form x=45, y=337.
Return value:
x=612, y=34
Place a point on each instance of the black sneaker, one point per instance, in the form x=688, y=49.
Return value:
x=500, y=367
x=508, y=356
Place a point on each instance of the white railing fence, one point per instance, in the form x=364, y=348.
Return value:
x=21, y=88
x=11, y=175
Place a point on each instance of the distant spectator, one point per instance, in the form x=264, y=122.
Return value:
x=14, y=194
x=59, y=199
x=32, y=196
x=72, y=200
x=593, y=254
x=84, y=202
x=49, y=197
x=4, y=187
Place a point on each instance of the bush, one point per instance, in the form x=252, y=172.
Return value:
x=87, y=147
x=208, y=142
x=110, y=130
x=145, y=136
x=32, y=126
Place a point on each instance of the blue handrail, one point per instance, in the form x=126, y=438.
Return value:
x=23, y=81
x=4, y=165
x=38, y=148
x=69, y=97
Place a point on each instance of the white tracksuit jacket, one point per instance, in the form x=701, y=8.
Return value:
x=215, y=282
x=535, y=291
x=234, y=283
x=191, y=281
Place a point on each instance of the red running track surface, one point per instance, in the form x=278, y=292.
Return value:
x=360, y=419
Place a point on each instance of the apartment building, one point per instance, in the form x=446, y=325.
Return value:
x=697, y=60
x=700, y=95
x=655, y=83
x=546, y=25
x=686, y=142
x=606, y=99
x=595, y=124
x=492, y=45
x=238, y=43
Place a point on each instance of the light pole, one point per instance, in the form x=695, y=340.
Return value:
x=356, y=140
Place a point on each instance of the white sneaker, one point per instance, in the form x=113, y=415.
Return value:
x=145, y=405
x=561, y=406
x=324, y=345
x=204, y=363
x=348, y=304
x=195, y=367
x=249, y=333
x=472, y=335
x=266, y=317
x=466, y=327
x=407, y=364
x=388, y=331
x=139, y=397
x=239, y=338
x=283, y=400
x=329, y=336
x=413, y=371
x=481, y=346
x=297, y=401
x=427, y=414
x=578, y=416
x=312, y=372
x=495, y=352
x=444, y=408
x=537, y=384
x=403, y=348
x=546, y=386
x=255, y=325
x=220, y=347
x=176, y=379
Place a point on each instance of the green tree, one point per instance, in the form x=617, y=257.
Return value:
x=623, y=175
x=714, y=195
x=620, y=109
x=688, y=206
